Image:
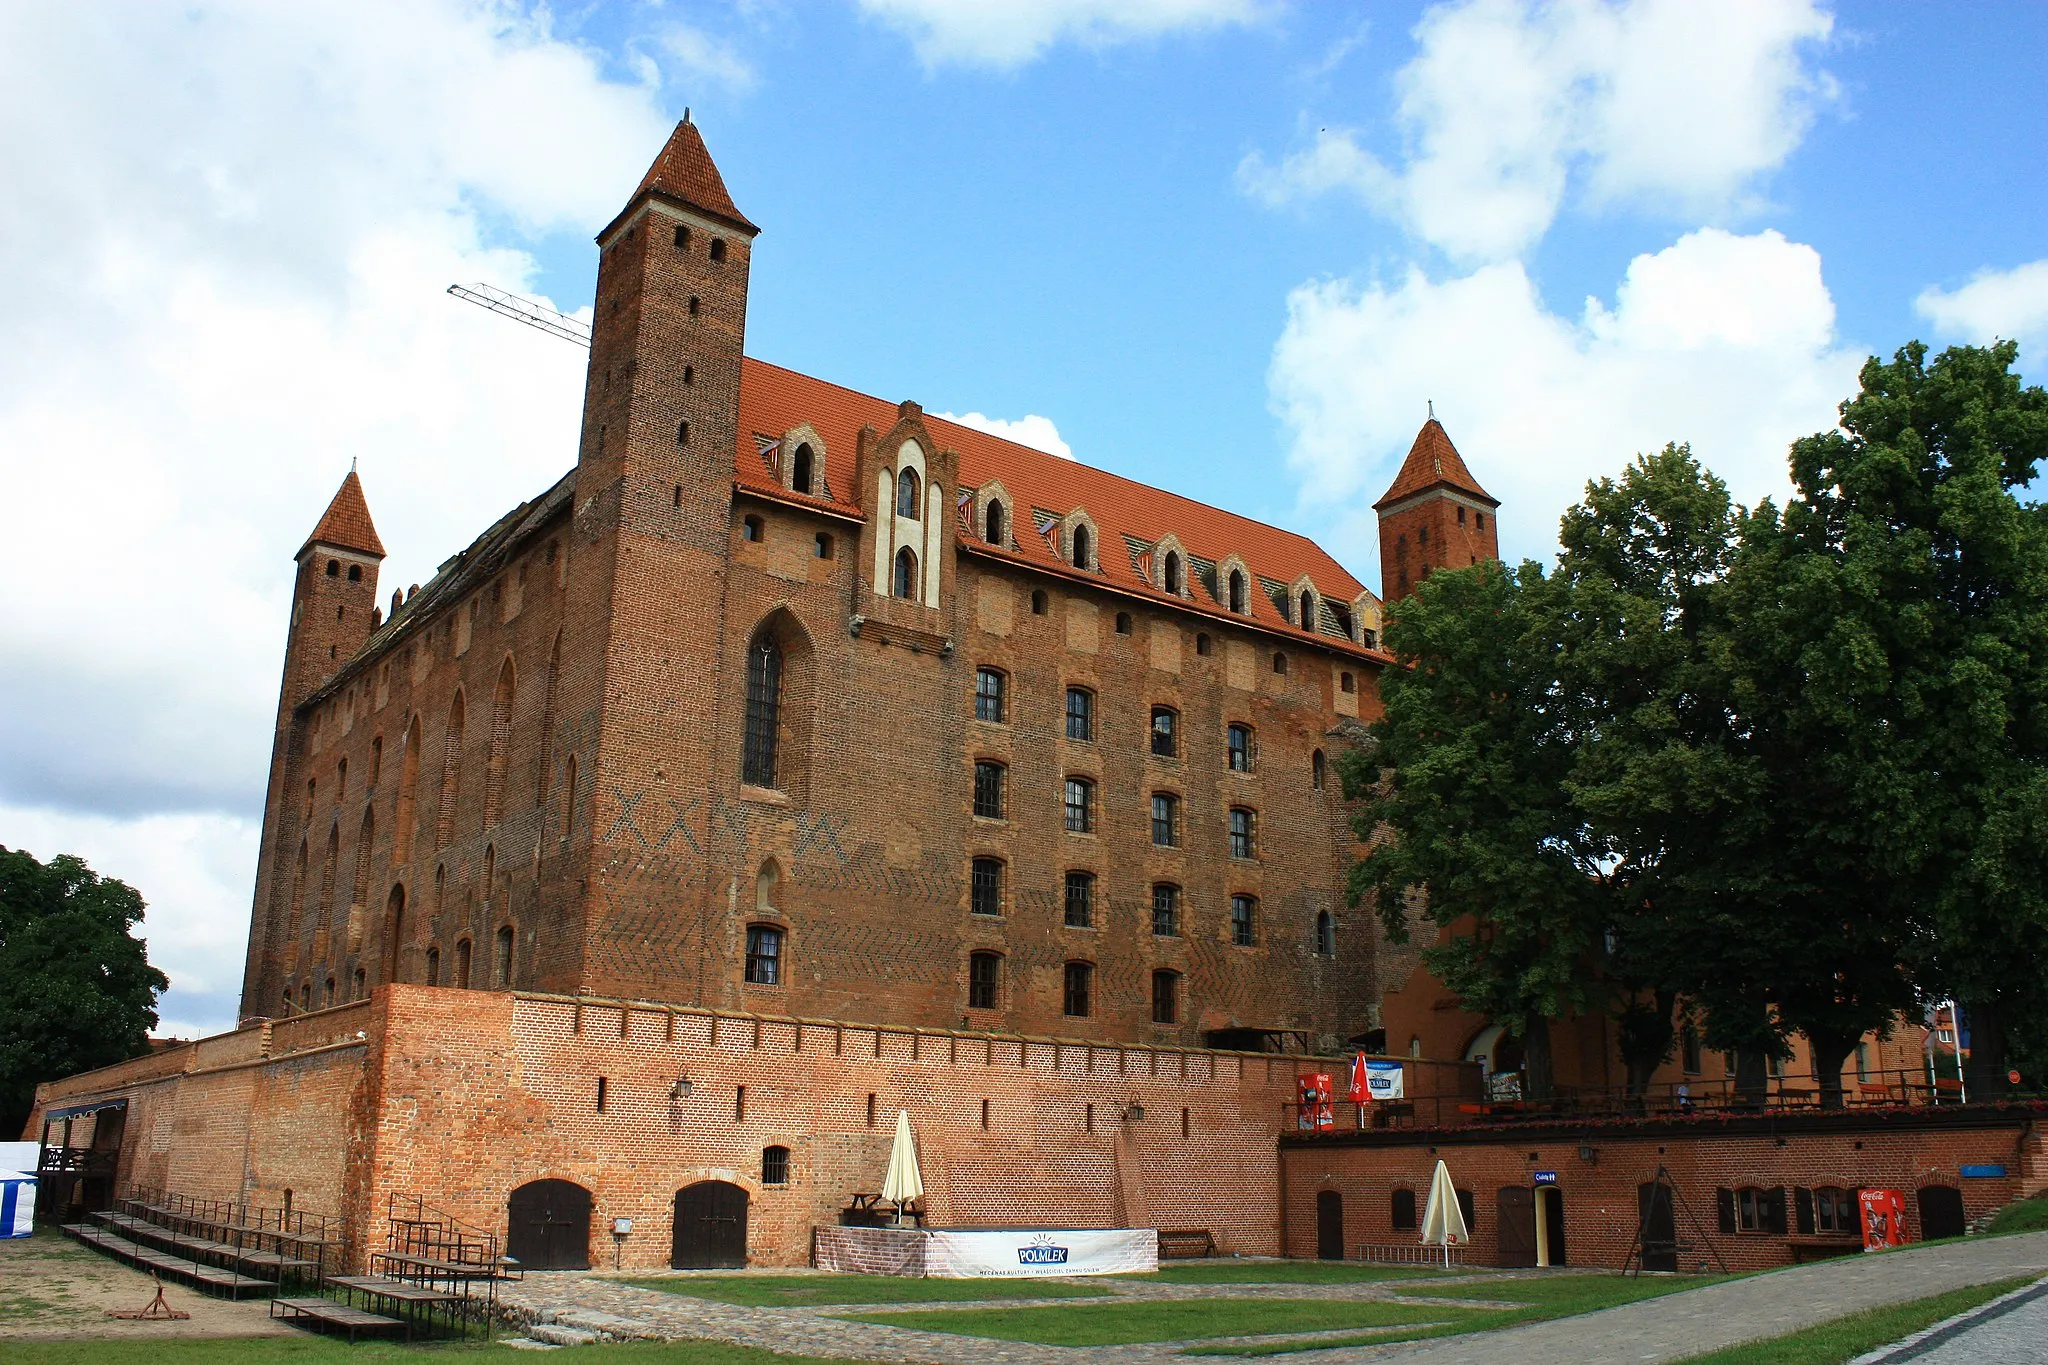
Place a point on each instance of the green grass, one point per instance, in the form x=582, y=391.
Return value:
x=1288, y=1272
x=1846, y=1338
x=1560, y=1297
x=2024, y=1215
x=1119, y=1324
x=805, y=1291
x=311, y=1350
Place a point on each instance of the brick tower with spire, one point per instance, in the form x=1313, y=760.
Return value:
x=1434, y=515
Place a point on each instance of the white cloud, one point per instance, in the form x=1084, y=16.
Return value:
x=1668, y=104
x=1725, y=341
x=1010, y=33
x=1995, y=304
x=229, y=226
x=1031, y=430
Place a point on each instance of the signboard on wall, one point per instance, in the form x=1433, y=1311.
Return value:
x=1884, y=1219
x=1386, y=1080
x=1546, y=1177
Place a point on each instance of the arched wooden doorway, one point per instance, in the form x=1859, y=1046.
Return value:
x=1329, y=1225
x=710, y=1227
x=1941, y=1212
x=548, y=1226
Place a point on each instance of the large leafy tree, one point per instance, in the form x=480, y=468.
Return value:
x=76, y=987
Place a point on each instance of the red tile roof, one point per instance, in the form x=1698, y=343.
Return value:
x=774, y=400
x=685, y=171
x=1433, y=462
x=346, y=524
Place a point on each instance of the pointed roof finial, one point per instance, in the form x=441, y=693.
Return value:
x=346, y=524
x=1432, y=408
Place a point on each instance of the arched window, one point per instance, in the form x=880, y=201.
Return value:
x=906, y=494
x=462, y=964
x=1080, y=713
x=547, y=723
x=1307, y=617
x=988, y=695
x=1084, y=548
x=1240, y=748
x=501, y=964
x=1326, y=934
x=433, y=966
x=764, y=706
x=1165, y=910
x=1318, y=769
x=451, y=772
x=767, y=885
x=1080, y=806
x=905, y=585
x=1279, y=663
x=800, y=468
x=1202, y=643
x=359, y=893
x=334, y=568
x=1165, y=820
x=998, y=532
x=1165, y=732
x=718, y=248
x=327, y=995
x=1123, y=623
x=408, y=792
x=298, y=893
x=355, y=573
x=1243, y=833
x=1237, y=591
x=1244, y=920
x=775, y=1165
x=984, y=981
x=501, y=745
x=1171, y=573
x=985, y=886
x=1165, y=997
x=361, y=985
x=764, y=955
x=1079, y=900
x=569, y=796
x=988, y=789
x=327, y=869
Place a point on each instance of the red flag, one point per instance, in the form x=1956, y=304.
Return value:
x=1361, y=1093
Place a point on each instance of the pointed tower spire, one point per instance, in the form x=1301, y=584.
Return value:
x=685, y=173
x=1434, y=515
x=346, y=523
x=1433, y=462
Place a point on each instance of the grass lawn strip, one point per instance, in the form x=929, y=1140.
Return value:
x=311, y=1350
x=1122, y=1324
x=1288, y=1272
x=1830, y=1343
x=1538, y=1300
x=805, y=1291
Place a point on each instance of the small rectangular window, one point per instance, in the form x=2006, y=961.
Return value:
x=1080, y=713
x=775, y=1165
x=1166, y=910
x=1080, y=978
x=988, y=695
x=985, y=890
x=1165, y=820
x=1080, y=805
x=988, y=790
x=1243, y=920
x=1165, y=997
x=1080, y=900
x=739, y=1104
x=984, y=981
x=1240, y=748
x=764, y=955
x=1165, y=732
x=1243, y=833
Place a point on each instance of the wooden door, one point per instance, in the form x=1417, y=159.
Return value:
x=710, y=1227
x=1329, y=1225
x=1515, y=1207
x=1660, y=1226
x=548, y=1226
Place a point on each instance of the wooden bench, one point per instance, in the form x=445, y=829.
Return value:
x=1185, y=1244
x=338, y=1316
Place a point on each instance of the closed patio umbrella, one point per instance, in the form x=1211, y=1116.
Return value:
x=903, y=1183
x=1443, y=1222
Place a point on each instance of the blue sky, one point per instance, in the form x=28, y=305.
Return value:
x=1228, y=246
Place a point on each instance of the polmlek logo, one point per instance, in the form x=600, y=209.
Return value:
x=1041, y=1251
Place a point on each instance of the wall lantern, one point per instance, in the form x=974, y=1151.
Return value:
x=1134, y=1112
x=681, y=1089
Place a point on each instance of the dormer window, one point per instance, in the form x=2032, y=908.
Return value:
x=906, y=497
x=998, y=531
x=800, y=469
x=1082, y=548
x=1172, y=573
x=1237, y=587
x=1307, y=602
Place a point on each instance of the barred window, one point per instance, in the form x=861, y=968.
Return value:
x=1165, y=997
x=988, y=695
x=1080, y=983
x=1243, y=833
x=1165, y=732
x=1165, y=820
x=1240, y=748
x=988, y=790
x=764, y=955
x=764, y=703
x=1244, y=911
x=1080, y=713
x=984, y=981
x=775, y=1165
x=1080, y=807
x=985, y=887
x=1080, y=900
x=1166, y=910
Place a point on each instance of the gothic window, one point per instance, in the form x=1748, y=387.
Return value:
x=988, y=695
x=985, y=887
x=906, y=573
x=1318, y=769
x=462, y=957
x=501, y=745
x=501, y=961
x=906, y=494
x=998, y=532
x=764, y=704
x=1244, y=911
x=1080, y=805
x=764, y=955
x=1237, y=592
x=433, y=966
x=547, y=723
x=1172, y=573
x=1165, y=732
x=1166, y=910
x=1080, y=983
x=988, y=790
x=984, y=981
x=451, y=772
x=1165, y=997
x=360, y=892
x=1165, y=820
x=1080, y=713
x=1080, y=900
x=800, y=469
x=1083, y=548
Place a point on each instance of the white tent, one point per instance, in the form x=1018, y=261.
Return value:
x=903, y=1183
x=1443, y=1222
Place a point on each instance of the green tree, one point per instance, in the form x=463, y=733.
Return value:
x=76, y=987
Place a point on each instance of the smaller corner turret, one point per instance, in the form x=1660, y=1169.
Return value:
x=334, y=600
x=1433, y=516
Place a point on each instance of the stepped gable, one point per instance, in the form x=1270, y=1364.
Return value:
x=346, y=523
x=685, y=171
x=774, y=400
x=1433, y=462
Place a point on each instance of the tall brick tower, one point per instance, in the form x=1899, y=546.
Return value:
x=332, y=603
x=654, y=521
x=1434, y=516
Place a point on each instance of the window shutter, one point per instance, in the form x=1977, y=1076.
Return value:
x=1802, y=1208
x=1724, y=1201
x=1774, y=1210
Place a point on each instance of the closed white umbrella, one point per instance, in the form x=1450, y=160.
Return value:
x=903, y=1183
x=1443, y=1222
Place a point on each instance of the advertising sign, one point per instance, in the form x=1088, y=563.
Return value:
x=1003, y=1254
x=1385, y=1080
x=1317, y=1111
x=1884, y=1219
